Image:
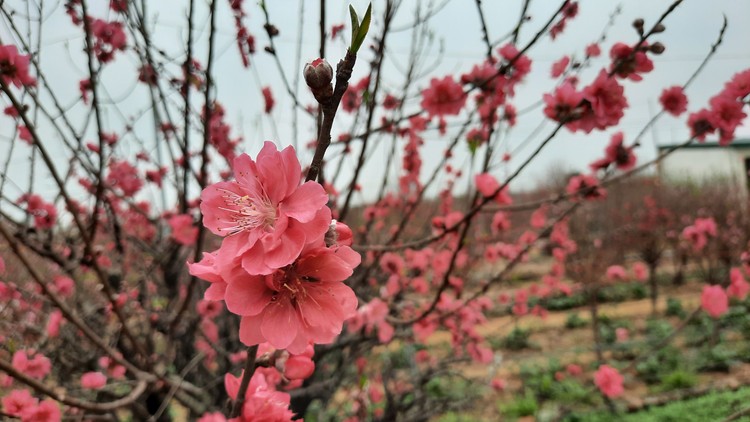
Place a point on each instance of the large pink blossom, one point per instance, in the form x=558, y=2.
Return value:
x=265, y=214
x=304, y=302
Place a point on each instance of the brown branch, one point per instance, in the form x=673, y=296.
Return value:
x=329, y=107
x=247, y=374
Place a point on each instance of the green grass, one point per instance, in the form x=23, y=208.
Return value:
x=711, y=407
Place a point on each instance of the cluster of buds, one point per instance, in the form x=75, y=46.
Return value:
x=319, y=76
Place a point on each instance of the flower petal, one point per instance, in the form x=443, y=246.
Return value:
x=250, y=333
x=287, y=249
x=248, y=295
x=280, y=324
x=305, y=201
x=324, y=265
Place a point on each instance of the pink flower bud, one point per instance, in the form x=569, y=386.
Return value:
x=318, y=74
x=344, y=234
x=299, y=367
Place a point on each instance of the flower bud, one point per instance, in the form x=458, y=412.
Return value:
x=658, y=28
x=344, y=234
x=299, y=367
x=318, y=74
x=657, y=48
x=638, y=25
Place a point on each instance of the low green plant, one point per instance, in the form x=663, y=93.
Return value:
x=674, y=308
x=525, y=405
x=678, y=380
x=574, y=321
x=518, y=339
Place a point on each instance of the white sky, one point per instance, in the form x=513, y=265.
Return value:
x=691, y=29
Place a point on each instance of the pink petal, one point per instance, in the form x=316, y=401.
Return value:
x=288, y=248
x=304, y=203
x=246, y=174
x=215, y=291
x=486, y=184
x=324, y=266
x=250, y=333
x=218, y=216
x=280, y=324
x=253, y=261
x=205, y=269
x=248, y=296
x=271, y=173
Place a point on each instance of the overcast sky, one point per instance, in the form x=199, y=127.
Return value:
x=691, y=29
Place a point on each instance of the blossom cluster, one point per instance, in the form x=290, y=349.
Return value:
x=274, y=267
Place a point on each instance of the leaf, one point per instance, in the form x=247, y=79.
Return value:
x=362, y=30
x=355, y=23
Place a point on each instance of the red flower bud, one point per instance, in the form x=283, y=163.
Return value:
x=318, y=74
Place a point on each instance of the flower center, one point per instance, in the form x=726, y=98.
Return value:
x=249, y=212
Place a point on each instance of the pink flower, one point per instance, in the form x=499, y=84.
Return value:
x=93, y=380
x=124, y=176
x=45, y=214
x=739, y=86
x=108, y=37
x=268, y=99
x=392, y=263
x=299, y=367
x=443, y=97
x=607, y=101
x=208, y=308
x=183, y=231
x=25, y=135
x=262, y=402
x=616, y=153
x=266, y=215
x=46, y=411
x=616, y=272
x=700, y=124
x=54, y=322
x=14, y=67
x=488, y=186
x=673, y=100
x=573, y=370
x=304, y=302
x=17, y=402
x=726, y=115
x=212, y=417
x=738, y=287
x=609, y=381
x=561, y=107
x=585, y=186
x=65, y=286
x=714, y=301
x=498, y=384
x=628, y=64
x=640, y=271
x=559, y=66
x=36, y=367
x=370, y=316
x=593, y=50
